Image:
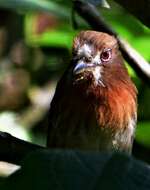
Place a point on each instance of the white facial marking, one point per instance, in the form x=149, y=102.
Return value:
x=85, y=50
x=96, y=59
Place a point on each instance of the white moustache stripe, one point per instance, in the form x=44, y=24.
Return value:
x=85, y=50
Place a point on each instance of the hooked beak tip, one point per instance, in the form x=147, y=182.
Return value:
x=79, y=67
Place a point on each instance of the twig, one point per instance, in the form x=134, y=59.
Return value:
x=92, y=16
x=13, y=150
x=139, y=9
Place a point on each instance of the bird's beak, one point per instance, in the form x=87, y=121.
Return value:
x=82, y=66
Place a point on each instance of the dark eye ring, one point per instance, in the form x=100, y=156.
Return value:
x=106, y=55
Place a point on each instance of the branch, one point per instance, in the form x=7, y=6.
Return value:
x=13, y=150
x=140, y=9
x=92, y=16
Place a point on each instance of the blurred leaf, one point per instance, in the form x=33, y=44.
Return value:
x=102, y=3
x=35, y=5
x=58, y=36
x=139, y=9
x=143, y=133
x=130, y=70
x=130, y=29
x=144, y=103
x=9, y=123
x=142, y=44
x=52, y=39
x=7, y=169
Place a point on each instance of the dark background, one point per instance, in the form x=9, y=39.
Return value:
x=35, y=48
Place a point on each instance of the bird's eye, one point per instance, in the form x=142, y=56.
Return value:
x=105, y=55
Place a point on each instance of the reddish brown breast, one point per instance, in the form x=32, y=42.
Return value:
x=118, y=107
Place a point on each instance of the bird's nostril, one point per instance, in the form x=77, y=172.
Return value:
x=90, y=59
x=87, y=59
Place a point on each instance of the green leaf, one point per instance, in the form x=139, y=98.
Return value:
x=142, y=44
x=143, y=133
x=60, y=36
x=53, y=39
x=131, y=71
x=35, y=5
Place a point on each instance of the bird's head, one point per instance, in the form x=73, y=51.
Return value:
x=96, y=59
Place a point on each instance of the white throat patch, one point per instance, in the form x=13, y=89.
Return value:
x=98, y=77
x=97, y=74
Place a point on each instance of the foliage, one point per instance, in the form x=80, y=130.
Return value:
x=47, y=35
x=33, y=5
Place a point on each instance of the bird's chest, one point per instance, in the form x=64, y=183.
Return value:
x=88, y=125
x=77, y=127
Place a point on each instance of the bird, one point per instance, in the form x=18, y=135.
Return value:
x=94, y=107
